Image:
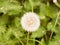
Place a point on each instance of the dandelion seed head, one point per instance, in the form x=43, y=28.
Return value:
x=30, y=21
x=54, y=1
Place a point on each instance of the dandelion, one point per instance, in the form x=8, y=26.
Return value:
x=30, y=21
x=54, y=1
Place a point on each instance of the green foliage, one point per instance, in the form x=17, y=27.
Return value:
x=11, y=31
x=39, y=33
x=10, y=7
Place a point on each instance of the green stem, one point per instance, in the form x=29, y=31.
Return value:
x=57, y=5
x=30, y=1
x=55, y=24
x=27, y=39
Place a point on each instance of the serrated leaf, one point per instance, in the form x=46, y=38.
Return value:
x=7, y=7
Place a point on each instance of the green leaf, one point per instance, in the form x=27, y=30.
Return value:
x=42, y=42
x=42, y=9
x=51, y=27
x=3, y=20
x=54, y=43
x=51, y=12
x=10, y=7
x=39, y=33
x=31, y=43
x=27, y=6
x=17, y=22
x=16, y=32
x=2, y=29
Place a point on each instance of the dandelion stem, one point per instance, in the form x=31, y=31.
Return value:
x=32, y=8
x=27, y=38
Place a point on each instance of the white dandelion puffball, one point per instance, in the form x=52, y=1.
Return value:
x=54, y=1
x=30, y=21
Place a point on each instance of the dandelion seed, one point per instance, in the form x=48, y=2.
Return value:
x=30, y=22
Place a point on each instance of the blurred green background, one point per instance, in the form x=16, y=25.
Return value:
x=11, y=31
